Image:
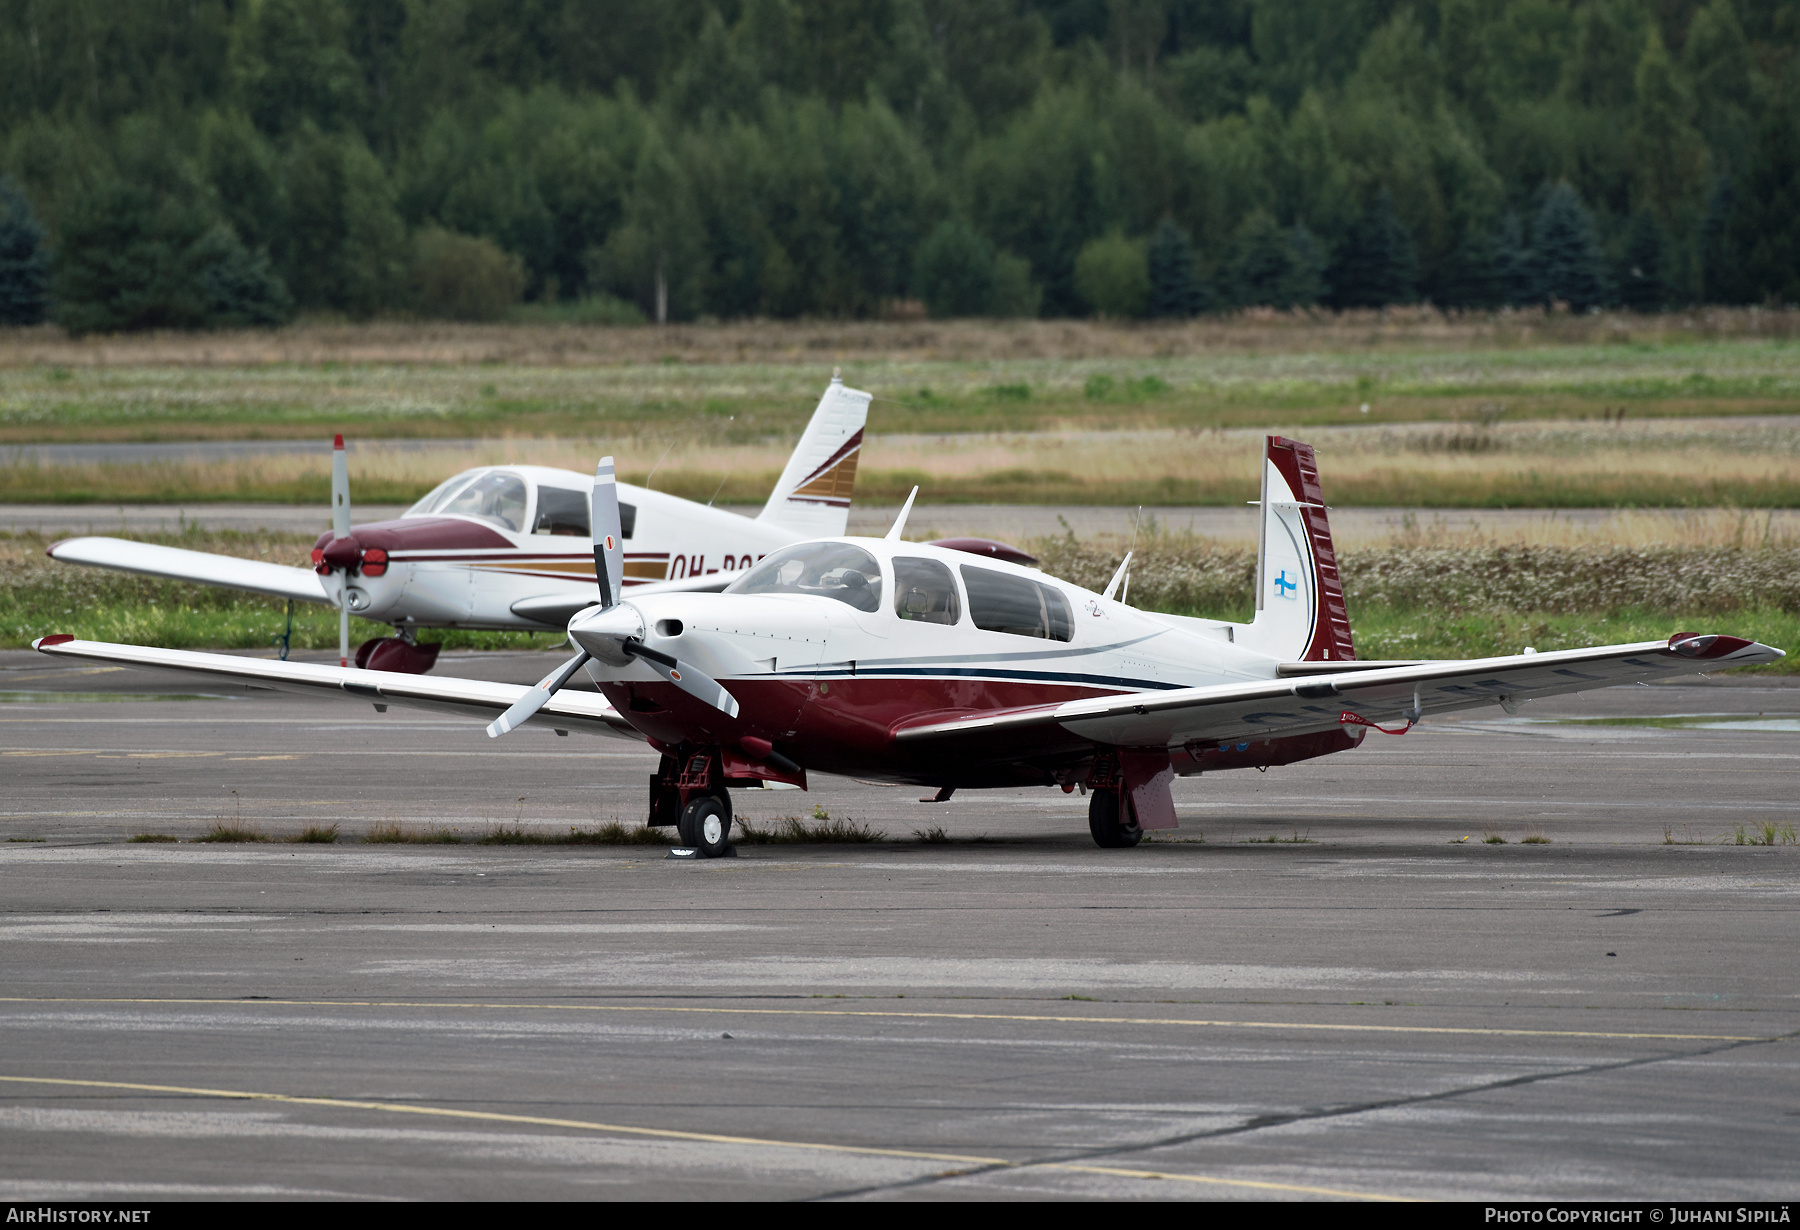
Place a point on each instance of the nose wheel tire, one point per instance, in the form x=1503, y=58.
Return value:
x=1106, y=810
x=705, y=825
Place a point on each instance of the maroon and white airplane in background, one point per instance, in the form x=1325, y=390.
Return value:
x=914, y=662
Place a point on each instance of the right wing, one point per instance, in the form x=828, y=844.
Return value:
x=200, y=567
x=588, y=712
x=1266, y=709
x=556, y=610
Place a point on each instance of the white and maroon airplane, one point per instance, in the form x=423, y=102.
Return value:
x=918, y=663
x=509, y=547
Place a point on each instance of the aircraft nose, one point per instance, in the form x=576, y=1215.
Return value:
x=601, y=632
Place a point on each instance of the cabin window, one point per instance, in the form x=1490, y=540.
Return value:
x=627, y=520
x=1002, y=602
x=496, y=496
x=828, y=569
x=561, y=512
x=925, y=592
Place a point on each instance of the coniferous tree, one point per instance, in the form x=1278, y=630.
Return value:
x=1176, y=289
x=1719, y=264
x=1515, y=264
x=1378, y=263
x=954, y=271
x=1307, y=260
x=1764, y=222
x=1570, y=265
x=1260, y=264
x=1472, y=277
x=1644, y=279
x=24, y=262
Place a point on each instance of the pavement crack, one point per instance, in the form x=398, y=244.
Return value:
x=1262, y=1122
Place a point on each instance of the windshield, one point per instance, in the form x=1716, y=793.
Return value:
x=496, y=496
x=439, y=494
x=828, y=569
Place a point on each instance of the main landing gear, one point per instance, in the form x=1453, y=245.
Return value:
x=401, y=654
x=1111, y=822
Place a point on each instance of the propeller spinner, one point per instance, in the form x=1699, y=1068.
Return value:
x=608, y=631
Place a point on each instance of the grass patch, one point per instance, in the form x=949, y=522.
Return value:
x=933, y=836
x=316, y=834
x=554, y=373
x=397, y=834
x=1534, y=836
x=818, y=829
x=1274, y=840
x=612, y=833
x=223, y=831
x=145, y=837
x=31, y=839
x=1491, y=838
x=1761, y=833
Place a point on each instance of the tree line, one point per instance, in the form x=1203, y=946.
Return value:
x=186, y=163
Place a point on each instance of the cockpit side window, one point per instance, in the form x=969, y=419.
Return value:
x=924, y=591
x=561, y=512
x=1002, y=602
x=828, y=569
x=496, y=496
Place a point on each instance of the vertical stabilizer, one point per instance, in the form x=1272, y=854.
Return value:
x=1300, y=611
x=813, y=496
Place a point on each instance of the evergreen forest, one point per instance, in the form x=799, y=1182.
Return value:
x=207, y=163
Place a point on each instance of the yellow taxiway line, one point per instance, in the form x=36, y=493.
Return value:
x=913, y=1014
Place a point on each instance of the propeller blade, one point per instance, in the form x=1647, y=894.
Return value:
x=689, y=679
x=340, y=528
x=609, y=558
x=537, y=697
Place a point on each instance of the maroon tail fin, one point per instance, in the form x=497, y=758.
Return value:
x=1331, y=641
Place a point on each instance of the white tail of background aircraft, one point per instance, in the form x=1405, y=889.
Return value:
x=812, y=500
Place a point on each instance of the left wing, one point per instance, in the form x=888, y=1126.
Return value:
x=200, y=567
x=1265, y=709
x=588, y=712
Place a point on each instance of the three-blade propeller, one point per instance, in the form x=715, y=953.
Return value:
x=591, y=624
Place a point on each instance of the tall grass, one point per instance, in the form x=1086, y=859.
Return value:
x=1532, y=464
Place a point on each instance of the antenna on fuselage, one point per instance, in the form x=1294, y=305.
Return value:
x=893, y=535
x=1112, y=586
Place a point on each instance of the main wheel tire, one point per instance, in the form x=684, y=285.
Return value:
x=1104, y=821
x=706, y=825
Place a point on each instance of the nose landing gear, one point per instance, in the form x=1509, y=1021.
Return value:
x=705, y=824
x=688, y=791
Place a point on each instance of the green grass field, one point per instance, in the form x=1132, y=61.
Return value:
x=746, y=383
x=1405, y=601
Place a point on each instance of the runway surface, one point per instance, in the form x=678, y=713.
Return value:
x=1369, y=1007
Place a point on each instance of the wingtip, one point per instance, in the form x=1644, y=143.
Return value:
x=337, y=442
x=55, y=638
